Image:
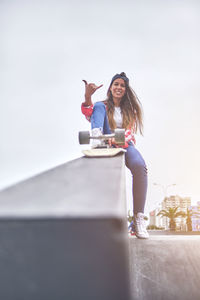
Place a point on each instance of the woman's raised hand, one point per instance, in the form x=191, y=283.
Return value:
x=90, y=89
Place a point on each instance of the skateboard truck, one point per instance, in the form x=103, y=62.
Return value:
x=118, y=135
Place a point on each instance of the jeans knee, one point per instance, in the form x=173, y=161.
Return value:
x=145, y=169
x=142, y=166
x=99, y=105
x=138, y=166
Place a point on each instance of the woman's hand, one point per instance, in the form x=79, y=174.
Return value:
x=111, y=142
x=90, y=89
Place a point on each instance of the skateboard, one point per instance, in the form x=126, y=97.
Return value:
x=118, y=135
x=104, y=150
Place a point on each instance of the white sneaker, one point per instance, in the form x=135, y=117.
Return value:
x=140, y=226
x=96, y=132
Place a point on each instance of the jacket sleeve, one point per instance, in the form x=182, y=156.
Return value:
x=129, y=136
x=87, y=111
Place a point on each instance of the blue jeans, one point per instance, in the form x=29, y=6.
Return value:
x=133, y=159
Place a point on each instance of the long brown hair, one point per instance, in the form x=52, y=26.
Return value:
x=131, y=109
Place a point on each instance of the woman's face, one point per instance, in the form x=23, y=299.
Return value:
x=118, y=89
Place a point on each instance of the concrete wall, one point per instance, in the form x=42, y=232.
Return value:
x=63, y=233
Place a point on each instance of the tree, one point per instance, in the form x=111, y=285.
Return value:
x=172, y=214
x=188, y=216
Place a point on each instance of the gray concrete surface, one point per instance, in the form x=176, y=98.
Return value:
x=85, y=187
x=165, y=267
x=63, y=234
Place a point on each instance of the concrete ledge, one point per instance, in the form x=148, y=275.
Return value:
x=85, y=187
x=63, y=234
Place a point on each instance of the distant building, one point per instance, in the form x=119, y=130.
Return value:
x=174, y=201
x=195, y=216
x=155, y=220
x=171, y=202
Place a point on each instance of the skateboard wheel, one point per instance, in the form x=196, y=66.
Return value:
x=84, y=137
x=120, y=136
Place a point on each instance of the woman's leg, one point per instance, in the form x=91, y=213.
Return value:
x=99, y=118
x=137, y=166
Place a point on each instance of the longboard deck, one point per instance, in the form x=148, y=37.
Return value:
x=103, y=152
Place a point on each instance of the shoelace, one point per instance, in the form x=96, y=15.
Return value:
x=140, y=222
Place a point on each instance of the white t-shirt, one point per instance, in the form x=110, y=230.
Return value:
x=118, y=117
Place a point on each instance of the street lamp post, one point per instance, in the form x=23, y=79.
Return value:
x=164, y=188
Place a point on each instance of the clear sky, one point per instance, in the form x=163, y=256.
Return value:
x=48, y=47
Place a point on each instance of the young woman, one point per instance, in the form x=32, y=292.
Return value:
x=121, y=109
